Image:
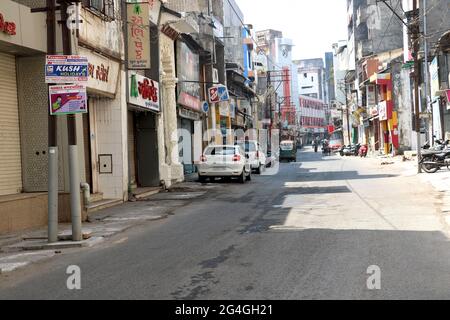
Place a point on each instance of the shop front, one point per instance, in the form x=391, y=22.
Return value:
x=189, y=103
x=142, y=132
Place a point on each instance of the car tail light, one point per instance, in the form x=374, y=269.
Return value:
x=203, y=159
x=237, y=158
x=257, y=154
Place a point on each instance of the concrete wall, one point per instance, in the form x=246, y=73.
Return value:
x=29, y=211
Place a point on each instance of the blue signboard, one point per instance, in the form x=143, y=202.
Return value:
x=66, y=69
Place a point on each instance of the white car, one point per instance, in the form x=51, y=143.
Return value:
x=224, y=161
x=256, y=156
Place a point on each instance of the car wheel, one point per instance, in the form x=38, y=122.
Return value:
x=242, y=178
x=259, y=170
x=201, y=179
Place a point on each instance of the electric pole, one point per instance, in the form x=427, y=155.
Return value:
x=53, y=184
x=413, y=26
x=414, y=29
x=74, y=172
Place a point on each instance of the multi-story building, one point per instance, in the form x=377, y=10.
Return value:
x=310, y=74
x=375, y=40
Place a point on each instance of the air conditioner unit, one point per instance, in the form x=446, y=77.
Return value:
x=215, y=75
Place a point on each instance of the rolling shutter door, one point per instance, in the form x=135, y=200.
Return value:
x=10, y=155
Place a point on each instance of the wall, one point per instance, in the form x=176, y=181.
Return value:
x=109, y=137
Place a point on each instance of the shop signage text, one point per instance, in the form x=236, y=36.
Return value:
x=7, y=27
x=382, y=111
x=188, y=114
x=138, y=36
x=67, y=99
x=66, y=69
x=189, y=101
x=218, y=94
x=144, y=92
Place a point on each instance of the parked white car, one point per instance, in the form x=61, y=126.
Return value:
x=256, y=156
x=224, y=161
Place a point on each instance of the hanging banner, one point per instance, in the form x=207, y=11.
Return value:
x=138, y=36
x=66, y=69
x=67, y=99
x=154, y=9
x=143, y=92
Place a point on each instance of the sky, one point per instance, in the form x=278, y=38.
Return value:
x=313, y=25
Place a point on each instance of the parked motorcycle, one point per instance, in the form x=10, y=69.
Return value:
x=350, y=150
x=434, y=159
x=363, y=150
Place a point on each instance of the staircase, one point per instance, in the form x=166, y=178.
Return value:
x=98, y=203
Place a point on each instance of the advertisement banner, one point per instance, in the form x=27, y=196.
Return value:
x=138, y=36
x=66, y=69
x=434, y=75
x=188, y=73
x=143, y=92
x=67, y=99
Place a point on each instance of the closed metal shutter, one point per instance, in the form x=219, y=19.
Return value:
x=10, y=156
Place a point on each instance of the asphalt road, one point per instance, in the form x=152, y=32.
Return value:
x=309, y=232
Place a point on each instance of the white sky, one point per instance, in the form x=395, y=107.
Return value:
x=313, y=25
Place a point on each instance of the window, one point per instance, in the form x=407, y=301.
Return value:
x=104, y=7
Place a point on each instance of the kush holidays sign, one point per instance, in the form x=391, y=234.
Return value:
x=66, y=69
x=144, y=92
x=138, y=18
x=67, y=99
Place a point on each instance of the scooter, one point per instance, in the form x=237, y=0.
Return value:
x=363, y=150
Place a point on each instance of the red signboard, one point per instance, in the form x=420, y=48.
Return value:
x=7, y=27
x=189, y=101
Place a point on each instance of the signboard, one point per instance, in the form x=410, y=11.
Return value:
x=189, y=114
x=66, y=69
x=434, y=75
x=67, y=99
x=143, y=92
x=233, y=107
x=154, y=10
x=224, y=109
x=138, y=36
x=103, y=73
x=382, y=111
x=188, y=73
x=447, y=95
x=205, y=106
x=218, y=94
x=7, y=27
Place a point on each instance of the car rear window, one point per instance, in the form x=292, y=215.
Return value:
x=248, y=146
x=221, y=151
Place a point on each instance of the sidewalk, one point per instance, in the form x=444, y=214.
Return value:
x=21, y=249
x=439, y=181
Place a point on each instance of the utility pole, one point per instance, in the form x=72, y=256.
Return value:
x=74, y=172
x=427, y=71
x=53, y=185
x=413, y=26
x=414, y=32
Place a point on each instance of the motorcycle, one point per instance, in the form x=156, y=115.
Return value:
x=434, y=159
x=363, y=150
x=350, y=150
x=326, y=150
